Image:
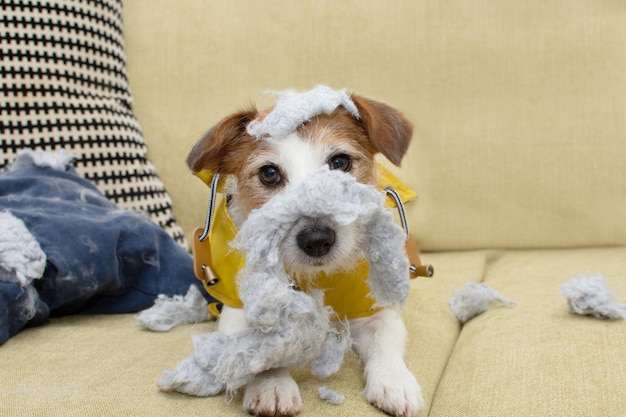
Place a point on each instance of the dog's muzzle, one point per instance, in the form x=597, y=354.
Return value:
x=316, y=241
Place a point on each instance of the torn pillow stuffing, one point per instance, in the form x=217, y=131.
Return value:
x=474, y=299
x=591, y=296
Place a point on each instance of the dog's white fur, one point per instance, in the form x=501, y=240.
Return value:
x=379, y=339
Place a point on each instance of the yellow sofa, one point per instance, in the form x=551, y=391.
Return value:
x=519, y=162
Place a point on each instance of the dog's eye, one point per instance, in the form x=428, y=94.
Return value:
x=270, y=175
x=341, y=162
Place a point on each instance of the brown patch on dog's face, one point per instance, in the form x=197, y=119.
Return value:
x=343, y=136
x=337, y=140
x=264, y=167
x=252, y=192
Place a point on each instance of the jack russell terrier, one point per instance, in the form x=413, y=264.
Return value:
x=262, y=153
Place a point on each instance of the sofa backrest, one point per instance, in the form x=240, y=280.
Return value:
x=519, y=107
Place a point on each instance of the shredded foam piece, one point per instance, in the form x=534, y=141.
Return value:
x=337, y=196
x=331, y=396
x=474, y=299
x=168, y=312
x=591, y=296
x=287, y=327
x=22, y=260
x=293, y=108
x=27, y=158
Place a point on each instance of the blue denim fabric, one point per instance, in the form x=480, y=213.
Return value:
x=100, y=259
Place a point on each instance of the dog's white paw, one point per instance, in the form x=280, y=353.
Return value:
x=273, y=394
x=394, y=390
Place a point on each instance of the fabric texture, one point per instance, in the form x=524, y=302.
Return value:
x=48, y=370
x=67, y=249
x=518, y=109
x=65, y=86
x=534, y=359
x=537, y=359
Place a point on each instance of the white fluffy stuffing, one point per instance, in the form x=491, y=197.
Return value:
x=474, y=299
x=591, y=296
x=27, y=157
x=335, y=346
x=296, y=337
x=288, y=327
x=330, y=396
x=21, y=259
x=293, y=108
x=335, y=195
x=168, y=312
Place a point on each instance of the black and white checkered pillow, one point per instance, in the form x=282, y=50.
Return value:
x=64, y=86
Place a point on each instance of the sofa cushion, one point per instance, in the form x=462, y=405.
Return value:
x=536, y=359
x=64, y=85
x=520, y=127
x=518, y=108
x=95, y=365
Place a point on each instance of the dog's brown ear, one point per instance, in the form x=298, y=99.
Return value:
x=213, y=151
x=388, y=129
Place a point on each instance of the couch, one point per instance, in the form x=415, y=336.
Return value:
x=518, y=158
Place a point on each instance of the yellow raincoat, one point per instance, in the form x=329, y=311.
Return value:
x=346, y=292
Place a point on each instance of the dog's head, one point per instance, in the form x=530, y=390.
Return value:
x=259, y=167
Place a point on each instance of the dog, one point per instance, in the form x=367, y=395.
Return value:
x=344, y=136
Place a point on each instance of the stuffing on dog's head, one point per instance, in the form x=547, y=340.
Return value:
x=264, y=151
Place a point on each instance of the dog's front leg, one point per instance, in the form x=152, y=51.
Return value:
x=270, y=393
x=389, y=385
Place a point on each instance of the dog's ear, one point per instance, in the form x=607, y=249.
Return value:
x=214, y=151
x=388, y=129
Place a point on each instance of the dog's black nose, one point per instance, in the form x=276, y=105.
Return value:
x=316, y=242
